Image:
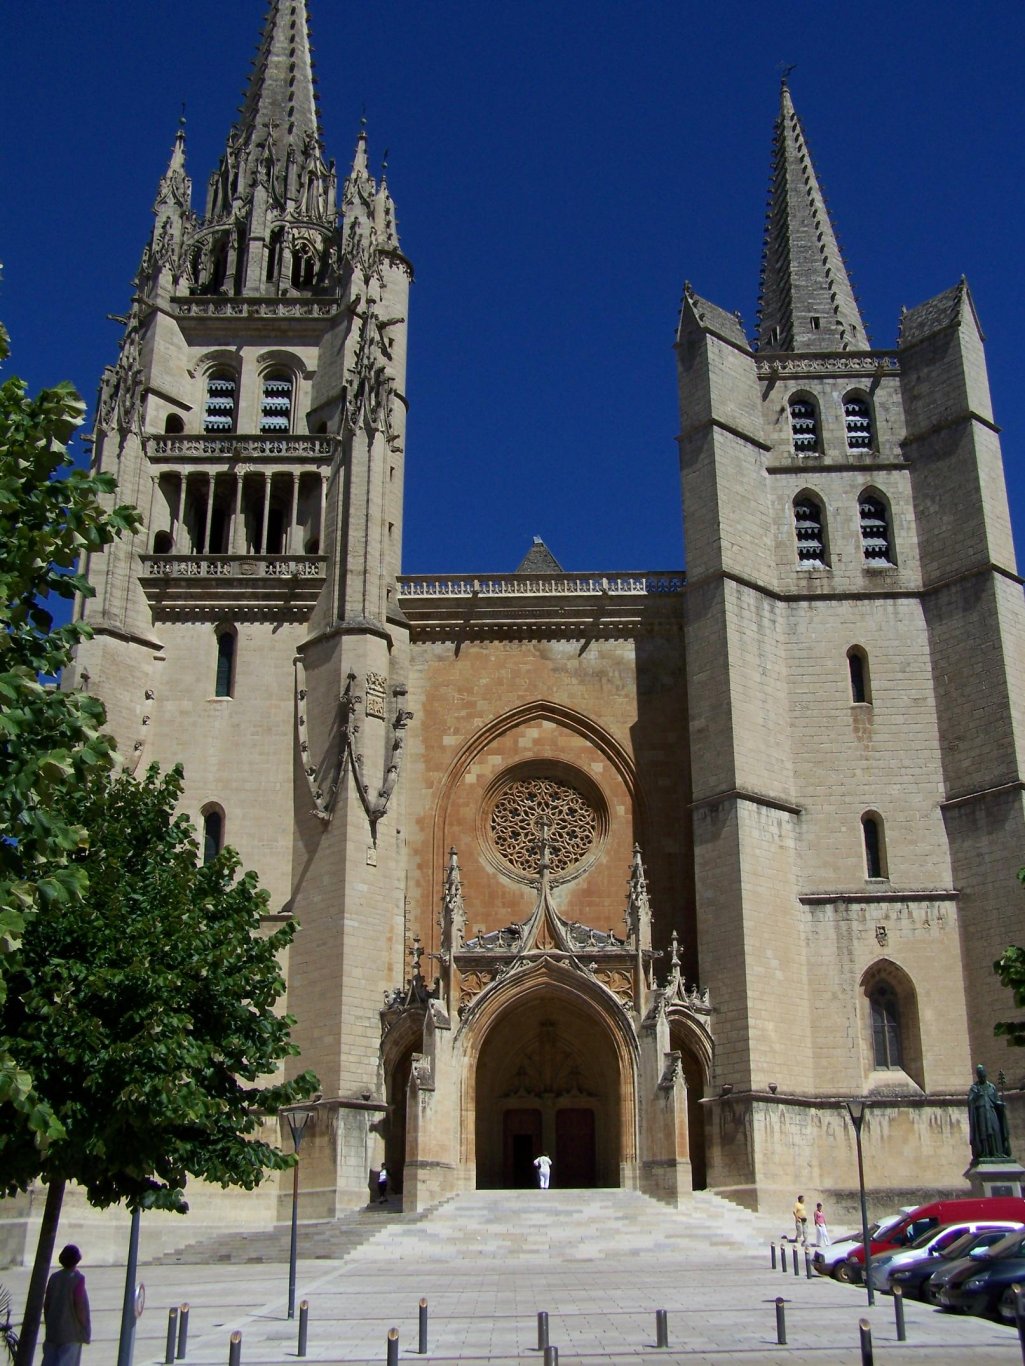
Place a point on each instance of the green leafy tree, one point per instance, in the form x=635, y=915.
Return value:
x=50, y=514
x=145, y=1012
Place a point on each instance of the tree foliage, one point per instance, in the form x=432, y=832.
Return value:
x=145, y=1012
x=50, y=514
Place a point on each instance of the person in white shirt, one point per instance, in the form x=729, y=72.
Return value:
x=544, y=1171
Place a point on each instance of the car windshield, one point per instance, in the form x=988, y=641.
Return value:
x=1008, y=1246
x=915, y=1230
x=924, y=1239
x=966, y=1241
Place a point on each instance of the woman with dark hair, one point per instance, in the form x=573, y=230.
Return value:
x=66, y=1312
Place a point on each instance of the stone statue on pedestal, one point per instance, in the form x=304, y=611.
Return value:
x=987, y=1120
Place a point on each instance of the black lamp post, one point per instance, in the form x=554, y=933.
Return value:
x=297, y=1118
x=856, y=1109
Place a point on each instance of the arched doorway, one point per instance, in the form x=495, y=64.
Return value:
x=694, y=1048
x=547, y=1080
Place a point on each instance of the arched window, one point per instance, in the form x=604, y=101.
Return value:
x=876, y=542
x=304, y=266
x=173, y=424
x=857, y=663
x=809, y=528
x=804, y=425
x=162, y=543
x=875, y=845
x=884, y=1011
x=276, y=402
x=213, y=832
x=219, y=410
x=225, y=685
x=857, y=412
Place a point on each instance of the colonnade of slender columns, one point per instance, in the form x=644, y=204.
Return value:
x=213, y=511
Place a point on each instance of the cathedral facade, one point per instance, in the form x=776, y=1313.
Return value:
x=649, y=872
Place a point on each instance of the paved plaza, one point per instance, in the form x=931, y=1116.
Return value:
x=485, y=1287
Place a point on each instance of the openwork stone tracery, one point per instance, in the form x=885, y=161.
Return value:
x=572, y=823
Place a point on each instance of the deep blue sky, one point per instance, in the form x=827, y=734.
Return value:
x=559, y=170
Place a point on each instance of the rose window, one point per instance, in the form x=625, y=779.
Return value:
x=521, y=809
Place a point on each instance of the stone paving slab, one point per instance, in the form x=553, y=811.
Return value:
x=720, y=1308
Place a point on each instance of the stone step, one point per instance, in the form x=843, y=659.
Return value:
x=523, y=1225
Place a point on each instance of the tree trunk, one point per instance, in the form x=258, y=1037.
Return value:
x=40, y=1274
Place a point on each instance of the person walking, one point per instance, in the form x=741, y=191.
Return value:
x=382, y=1185
x=800, y=1221
x=544, y=1171
x=66, y=1312
x=822, y=1238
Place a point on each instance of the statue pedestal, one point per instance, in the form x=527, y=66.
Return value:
x=997, y=1176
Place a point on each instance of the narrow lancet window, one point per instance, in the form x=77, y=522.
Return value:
x=809, y=529
x=858, y=421
x=804, y=425
x=213, y=833
x=886, y=1042
x=875, y=852
x=857, y=663
x=225, y=682
x=876, y=543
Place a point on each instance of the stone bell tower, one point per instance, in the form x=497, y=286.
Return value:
x=256, y=416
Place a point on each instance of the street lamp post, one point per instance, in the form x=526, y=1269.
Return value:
x=298, y=1119
x=856, y=1109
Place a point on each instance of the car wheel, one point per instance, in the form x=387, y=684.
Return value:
x=842, y=1272
x=1005, y=1309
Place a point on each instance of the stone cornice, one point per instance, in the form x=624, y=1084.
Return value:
x=855, y=363
x=878, y=895
x=959, y=420
x=714, y=422
x=740, y=794
x=983, y=794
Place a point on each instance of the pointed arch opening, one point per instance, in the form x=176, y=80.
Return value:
x=890, y=1028
x=805, y=429
x=550, y=1066
x=874, y=839
x=876, y=530
x=224, y=681
x=858, y=423
x=213, y=831
x=810, y=532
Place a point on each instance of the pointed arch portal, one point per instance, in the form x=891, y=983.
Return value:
x=547, y=1080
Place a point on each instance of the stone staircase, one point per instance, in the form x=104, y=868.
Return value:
x=566, y=1225
x=503, y=1226
x=325, y=1240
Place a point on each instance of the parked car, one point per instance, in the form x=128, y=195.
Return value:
x=917, y=1278
x=979, y=1287
x=936, y=1215
x=931, y=1245
x=831, y=1260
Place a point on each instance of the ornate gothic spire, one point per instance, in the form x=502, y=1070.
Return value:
x=280, y=108
x=806, y=303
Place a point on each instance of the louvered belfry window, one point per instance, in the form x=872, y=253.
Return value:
x=858, y=421
x=276, y=404
x=804, y=426
x=811, y=541
x=875, y=530
x=219, y=411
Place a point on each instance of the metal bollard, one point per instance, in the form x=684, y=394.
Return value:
x=1019, y=1316
x=172, y=1333
x=183, y=1331
x=781, y=1322
x=898, y=1313
x=542, y=1330
x=393, y=1347
x=422, y=1349
x=661, y=1328
x=783, y=1257
x=304, y=1327
x=807, y=1263
x=235, y=1349
x=551, y=1356
x=772, y=1255
x=865, y=1330
x=797, y=1269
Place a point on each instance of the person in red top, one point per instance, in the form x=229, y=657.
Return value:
x=66, y=1312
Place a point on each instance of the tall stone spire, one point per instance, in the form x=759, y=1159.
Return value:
x=273, y=195
x=806, y=302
